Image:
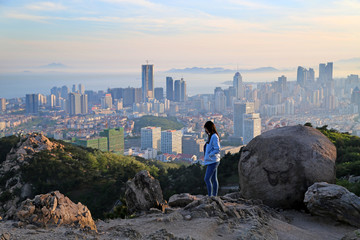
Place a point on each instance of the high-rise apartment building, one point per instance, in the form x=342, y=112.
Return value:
x=180, y=90
x=170, y=88
x=252, y=126
x=147, y=82
x=171, y=141
x=77, y=104
x=74, y=103
x=241, y=108
x=183, y=96
x=106, y=101
x=2, y=104
x=51, y=101
x=84, y=104
x=325, y=72
x=32, y=103
x=151, y=138
x=220, y=100
x=159, y=93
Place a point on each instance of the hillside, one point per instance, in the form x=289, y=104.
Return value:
x=164, y=123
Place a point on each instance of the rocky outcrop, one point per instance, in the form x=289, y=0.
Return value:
x=333, y=201
x=54, y=209
x=279, y=165
x=143, y=192
x=181, y=200
x=13, y=189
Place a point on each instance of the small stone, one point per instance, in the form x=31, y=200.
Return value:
x=188, y=217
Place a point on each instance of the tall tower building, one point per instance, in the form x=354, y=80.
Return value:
x=171, y=141
x=32, y=103
x=301, y=76
x=183, y=96
x=241, y=108
x=239, y=86
x=2, y=104
x=151, y=138
x=325, y=72
x=177, y=91
x=220, y=100
x=74, y=103
x=170, y=88
x=81, y=88
x=147, y=82
x=84, y=104
x=252, y=126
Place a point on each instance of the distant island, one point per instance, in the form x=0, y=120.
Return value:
x=217, y=70
x=54, y=65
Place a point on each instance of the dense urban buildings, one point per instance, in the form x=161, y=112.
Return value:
x=102, y=119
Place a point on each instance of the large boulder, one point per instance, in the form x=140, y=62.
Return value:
x=143, y=192
x=181, y=200
x=54, y=209
x=330, y=200
x=278, y=166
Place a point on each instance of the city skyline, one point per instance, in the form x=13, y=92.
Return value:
x=117, y=35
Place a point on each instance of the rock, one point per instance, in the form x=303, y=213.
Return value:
x=355, y=235
x=162, y=234
x=181, y=200
x=54, y=209
x=278, y=166
x=354, y=179
x=333, y=201
x=5, y=236
x=143, y=192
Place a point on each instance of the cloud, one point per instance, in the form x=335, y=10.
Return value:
x=251, y=4
x=46, y=6
x=142, y=3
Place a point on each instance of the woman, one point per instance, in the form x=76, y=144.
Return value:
x=211, y=158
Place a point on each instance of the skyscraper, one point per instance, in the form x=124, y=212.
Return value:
x=325, y=72
x=32, y=103
x=81, y=88
x=170, y=88
x=74, y=103
x=180, y=90
x=84, y=104
x=177, y=91
x=239, y=86
x=2, y=104
x=252, y=126
x=183, y=96
x=220, y=100
x=241, y=108
x=301, y=76
x=147, y=82
x=151, y=138
x=171, y=141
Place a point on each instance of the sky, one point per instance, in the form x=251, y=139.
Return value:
x=120, y=35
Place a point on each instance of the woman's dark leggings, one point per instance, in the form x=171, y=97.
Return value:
x=211, y=179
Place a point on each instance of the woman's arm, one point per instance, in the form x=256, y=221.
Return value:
x=215, y=143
